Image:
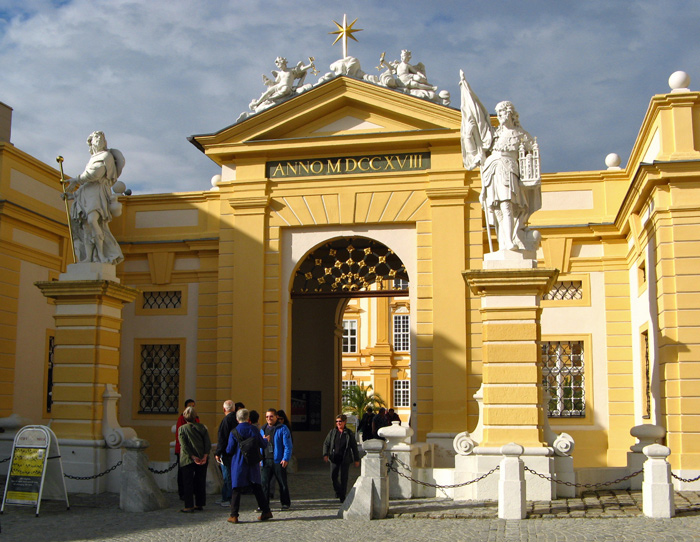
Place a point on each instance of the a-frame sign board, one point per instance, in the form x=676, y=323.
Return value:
x=36, y=470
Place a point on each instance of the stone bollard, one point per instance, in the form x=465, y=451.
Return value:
x=511, y=483
x=657, y=489
x=139, y=491
x=397, y=437
x=645, y=434
x=369, y=497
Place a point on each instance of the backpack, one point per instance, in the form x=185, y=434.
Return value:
x=250, y=449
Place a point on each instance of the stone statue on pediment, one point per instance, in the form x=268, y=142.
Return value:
x=95, y=204
x=510, y=169
x=287, y=81
x=410, y=79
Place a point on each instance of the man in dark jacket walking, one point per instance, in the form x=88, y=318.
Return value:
x=340, y=449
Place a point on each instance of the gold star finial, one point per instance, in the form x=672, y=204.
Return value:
x=344, y=31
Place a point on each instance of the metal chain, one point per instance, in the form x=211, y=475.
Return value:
x=686, y=480
x=391, y=467
x=171, y=467
x=93, y=476
x=572, y=484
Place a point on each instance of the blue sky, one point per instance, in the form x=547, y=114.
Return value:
x=151, y=73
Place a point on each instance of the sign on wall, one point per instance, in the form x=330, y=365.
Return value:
x=348, y=165
x=36, y=466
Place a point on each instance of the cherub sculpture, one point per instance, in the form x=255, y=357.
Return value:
x=284, y=85
x=410, y=78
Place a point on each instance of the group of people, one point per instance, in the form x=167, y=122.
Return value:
x=252, y=457
x=371, y=423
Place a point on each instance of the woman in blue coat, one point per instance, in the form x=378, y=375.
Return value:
x=242, y=474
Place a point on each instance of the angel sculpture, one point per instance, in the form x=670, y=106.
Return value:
x=510, y=169
x=283, y=85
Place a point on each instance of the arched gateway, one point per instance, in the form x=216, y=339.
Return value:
x=345, y=160
x=325, y=279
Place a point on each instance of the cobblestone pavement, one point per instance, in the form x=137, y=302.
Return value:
x=598, y=515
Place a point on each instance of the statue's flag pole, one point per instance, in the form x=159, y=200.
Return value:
x=63, y=181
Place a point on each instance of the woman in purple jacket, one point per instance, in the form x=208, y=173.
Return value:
x=242, y=474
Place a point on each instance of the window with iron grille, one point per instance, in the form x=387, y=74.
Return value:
x=49, y=380
x=162, y=300
x=349, y=336
x=160, y=378
x=402, y=393
x=347, y=384
x=564, y=379
x=565, y=291
x=402, y=333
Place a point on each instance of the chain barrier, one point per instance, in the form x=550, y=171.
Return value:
x=590, y=486
x=686, y=480
x=164, y=471
x=94, y=475
x=154, y=471
x=391, y=467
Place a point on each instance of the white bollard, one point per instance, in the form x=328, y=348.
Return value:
x=369, y=497
x=511, y=483
x=657, y=489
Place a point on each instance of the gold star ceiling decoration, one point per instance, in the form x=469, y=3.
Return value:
x=344, y=32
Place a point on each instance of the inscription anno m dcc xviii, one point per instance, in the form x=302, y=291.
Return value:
x=356, y=165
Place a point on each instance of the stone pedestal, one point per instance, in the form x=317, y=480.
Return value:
x=511, y=483
x=138, y=491
x=657, y=490
x=513, y=397
x=86, y=359
x=369, y=497
x=397, y=437
x=646, y=435
x=512, y=402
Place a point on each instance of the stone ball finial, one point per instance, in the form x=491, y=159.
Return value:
x=613, y=161
x=119, y=187
x=679, y=82
x=215, y=180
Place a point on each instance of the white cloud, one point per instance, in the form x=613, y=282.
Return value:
x=150, y=74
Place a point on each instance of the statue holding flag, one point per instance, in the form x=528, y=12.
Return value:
x=510, y=169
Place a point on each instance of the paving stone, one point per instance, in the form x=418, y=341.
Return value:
x=605, y=515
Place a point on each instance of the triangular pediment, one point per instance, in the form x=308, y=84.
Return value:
x=348, y=124
x=340, y=111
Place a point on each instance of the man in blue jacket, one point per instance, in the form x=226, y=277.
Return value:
x=276, y=457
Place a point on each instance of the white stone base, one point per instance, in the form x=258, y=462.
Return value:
x=443, y=451
x=88, y=458
x=510, y=259
x=90, y=271
x=469, y=467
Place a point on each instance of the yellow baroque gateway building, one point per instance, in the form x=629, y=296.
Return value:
x=243, y=290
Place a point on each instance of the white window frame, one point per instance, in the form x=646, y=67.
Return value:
x=402, y=393
x=350, y=336
x=402, y=332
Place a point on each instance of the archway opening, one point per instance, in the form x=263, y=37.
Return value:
x=362, y=276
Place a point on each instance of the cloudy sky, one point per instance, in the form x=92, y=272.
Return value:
x=150, y=73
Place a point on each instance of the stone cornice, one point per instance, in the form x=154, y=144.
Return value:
x=510, y=281
x=87, y=290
